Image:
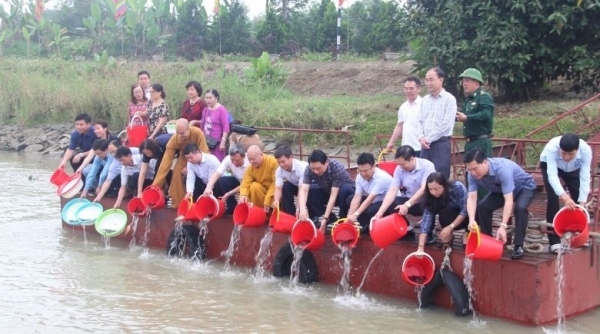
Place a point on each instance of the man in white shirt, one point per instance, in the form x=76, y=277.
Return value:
x=200, y=167
x=226, y=186
x=130, y=171
x=288, y=177
x=372, y=185
x=569, y=158
x=436, y=122
x=408, y=117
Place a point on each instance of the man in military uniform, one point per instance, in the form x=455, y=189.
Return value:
x=477, y=113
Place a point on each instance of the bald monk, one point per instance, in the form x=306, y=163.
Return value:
x=184, y=135
x=258, y=184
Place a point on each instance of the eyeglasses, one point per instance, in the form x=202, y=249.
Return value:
x=362, y=171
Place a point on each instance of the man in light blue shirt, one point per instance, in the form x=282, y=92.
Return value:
x=102, y=161
x=569, y=158
x=289, y=176
x=372, y=184
x=509, y=186
x=200, y=167
x=410, y=178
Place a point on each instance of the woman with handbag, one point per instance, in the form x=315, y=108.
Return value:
x=138, y=106
x=215, y=124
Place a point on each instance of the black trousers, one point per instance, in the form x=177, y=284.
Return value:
x=199, y=187
x=494, y=201
x=223, y=185
x=414, y=210
x=316, y=203
x=132, y=183
x=447, y=215
x=286, y=204
x=365, y=218
x=571, y=180
x=439, y=153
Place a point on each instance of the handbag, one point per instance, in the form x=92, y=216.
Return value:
x=212, y=142
x=136, y=134
x=242, y=129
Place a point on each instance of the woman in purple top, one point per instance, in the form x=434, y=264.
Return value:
x=215, y=122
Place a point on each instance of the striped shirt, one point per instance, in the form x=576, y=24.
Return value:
x=457, y=198
x=437, y=117
x=335, y=176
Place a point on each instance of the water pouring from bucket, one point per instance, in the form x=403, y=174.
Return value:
x=305, y=234
x=345, y=233
x=186, y=210
x=573, y=225
x=418, y=268
x=388, y=229
x=281, y=222
x=483, y=247
x=388, y=166
x=153, y=197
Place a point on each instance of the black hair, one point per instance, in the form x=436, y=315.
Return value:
x=405, y=152
x=133, y=99
x=317, y=156
x=413, y=79
x=476, y=155
x=159, y=88
x=142, y=72
x=83, y=117
x=197, y=86
x=116, y=143
x=122, y=151
x=214, y=92
x=569, y=142
x=152, y=146
x=190, y=149
x=283, y=150
x=365, y=158
x=439, y=72
x=430, y=202
x=100, y=144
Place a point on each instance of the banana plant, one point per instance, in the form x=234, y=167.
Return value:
x=59, y=37
x=27, y=33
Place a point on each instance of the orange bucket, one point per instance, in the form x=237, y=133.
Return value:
x=574, y=221
x=418, y=268
x=59, y=177
x=388, y=229
x=281, y=222
x=388, y=166
x=209, y=207
x=186, y=209
x=344, y=232
x=136, y=207
x=306, y=233
x=153, y=198
x=483, y=247
x=248, y=215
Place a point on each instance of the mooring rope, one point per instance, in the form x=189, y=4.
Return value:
x=535, y=236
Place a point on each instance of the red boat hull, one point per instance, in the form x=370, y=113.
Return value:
x=524, y=291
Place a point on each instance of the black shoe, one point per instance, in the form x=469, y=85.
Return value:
x=517, y=253
x=409, y=236
x=431, y=239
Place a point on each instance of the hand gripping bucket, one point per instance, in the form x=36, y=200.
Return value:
x=59, y=177
x=153, y=198
x=209, y=207
x=418, y=268
x=187, y=210
x=281, y=222
x=483, y=247
x=306, y=233
x=136, y=207
x=388, y=166
x=248, y=215
x=574, y=221
x=345, y=233
x=388, y=229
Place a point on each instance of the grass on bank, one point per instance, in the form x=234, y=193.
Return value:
x=36, y=92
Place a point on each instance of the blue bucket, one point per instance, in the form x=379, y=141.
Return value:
x=69, y=211
x=88, y=213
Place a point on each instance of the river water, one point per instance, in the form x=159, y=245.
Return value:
x=52, y=280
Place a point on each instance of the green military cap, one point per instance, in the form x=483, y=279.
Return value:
x=472, y=73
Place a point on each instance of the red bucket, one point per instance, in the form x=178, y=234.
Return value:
x=249, y=215
x=187, y=210
x=281, y=222
x=345, y=233
x=388, y=166
x=136, y=207
x=153, y=198
x=59, y=177
x=483, y=247
x=209, y=207
x=418, y=268
x=388, y=229
x=305, y=233
x=574, y=221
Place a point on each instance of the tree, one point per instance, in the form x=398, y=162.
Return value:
x=235, y=29
x=517, y=44
x=191, y=30
x=323, y=28
x=272, y=32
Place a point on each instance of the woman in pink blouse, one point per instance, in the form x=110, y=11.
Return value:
x=138, y=106
x=215, y=122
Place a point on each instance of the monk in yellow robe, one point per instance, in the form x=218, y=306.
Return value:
x=184, y=135
x=258, y=184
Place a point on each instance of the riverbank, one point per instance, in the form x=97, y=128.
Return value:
x=47, y=139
